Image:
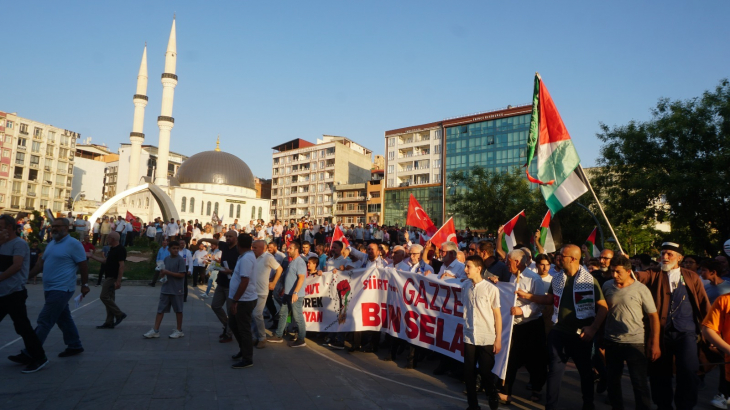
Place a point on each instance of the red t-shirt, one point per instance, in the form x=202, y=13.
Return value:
x=136, y=226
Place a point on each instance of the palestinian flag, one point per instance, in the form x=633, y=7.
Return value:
x=515, y=232
x=546, y=235
x=591, y=244
x=558, y=166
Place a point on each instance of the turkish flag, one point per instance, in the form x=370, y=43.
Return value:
x=422, y=239
x=130, y=217
x=445, y=233
x=417, y=217
x=337, y=235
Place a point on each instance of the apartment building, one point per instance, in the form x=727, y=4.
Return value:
x=375, y=190
x=304, y=175
x=351, y=203
x=36, y=165
x=418, y=157
x=91, y=162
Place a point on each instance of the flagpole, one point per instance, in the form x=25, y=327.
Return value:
x=601, y=208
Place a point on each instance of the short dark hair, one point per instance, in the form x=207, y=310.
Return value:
x=306, y=243
x=296, y=245
x=173, y=244
x=712, y=265
x=244, y=240
x=541, y=257
x=621, y=260
x=476, y=260
x=9, y=221
x=313, y=259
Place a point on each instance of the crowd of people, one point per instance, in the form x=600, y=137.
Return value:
x=652, y=316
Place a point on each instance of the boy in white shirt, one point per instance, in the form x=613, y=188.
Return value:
x=482, y=331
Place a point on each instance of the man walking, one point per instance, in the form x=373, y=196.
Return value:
x=293, y=297
x=628, y=301
x=14, y=266
x=63, y=258
x=113, y=270
x=229, y=258
x=242, y=294
x=266, y=264
x=682, y=302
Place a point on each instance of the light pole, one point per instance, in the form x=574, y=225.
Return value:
x=74, y=200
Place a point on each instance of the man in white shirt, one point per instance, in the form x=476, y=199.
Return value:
x=199, y=261
x=371, y=258
x=414, y=263
x=243, y=296
x=265, y=264
x=128, y=235
x=97, y=228
x=121, y=229
x=450, y=268
x=172, y=230
x=528, y=333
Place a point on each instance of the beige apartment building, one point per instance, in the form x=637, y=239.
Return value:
x=304, y=176
x=375, y=195
x=36, y=165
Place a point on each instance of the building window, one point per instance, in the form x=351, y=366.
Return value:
x=209, y=206
x=391, y=155
x=22, y=142
x=253, y=212
x=391, y=169
x=6, y=153
x=391, y=142
x=437, y=149
x=20, y=158
x=260, y=211
x=36, y=146
x=23, y=128
x=147, y=203
x=238, y=211
x=182, y=204
x=230, y=212
x=215, y=210
x=192, y=205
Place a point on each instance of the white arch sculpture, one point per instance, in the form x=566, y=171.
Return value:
x=162, y=199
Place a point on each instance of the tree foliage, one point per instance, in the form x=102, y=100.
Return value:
x=673, y=168
x=489, y=199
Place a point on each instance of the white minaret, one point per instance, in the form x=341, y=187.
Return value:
x=165, y=120
x=136, y=137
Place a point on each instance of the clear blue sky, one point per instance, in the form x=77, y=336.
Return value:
x=262, y=73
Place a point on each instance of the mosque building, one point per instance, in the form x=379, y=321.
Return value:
x=204, y=185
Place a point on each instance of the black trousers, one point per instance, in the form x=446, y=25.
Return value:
x=635, y=358
x=240, y=325
x=271, y=307
x=198, y=274
x=682, y=347
x=528, y=349
x=484, y=356
x=561, y=347
x=14, y=305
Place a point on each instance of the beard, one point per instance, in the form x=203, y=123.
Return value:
x=667, y=267
x=56, y=236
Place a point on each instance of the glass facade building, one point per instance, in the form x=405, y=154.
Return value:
x=396, y=204
x=498, y=145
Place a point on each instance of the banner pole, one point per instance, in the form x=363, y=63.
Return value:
x=601, y=208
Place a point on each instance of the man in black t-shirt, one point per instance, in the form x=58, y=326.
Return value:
x=113, y=271
x=229, y=256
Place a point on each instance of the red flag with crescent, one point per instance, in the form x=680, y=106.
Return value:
x=417, y=217
x=337, y=235
x=129, y=217
x=445, y=233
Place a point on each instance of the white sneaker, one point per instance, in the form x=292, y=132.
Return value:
x=177, y=334
x=720, y=402
x=203, y=296
x=151, y=334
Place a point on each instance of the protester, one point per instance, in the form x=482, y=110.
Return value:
x=577, y=318
x=14, y=267
x=414, y=263
x=716, y=286
x=265, y=264
x=243, y=297
x=171, y=294
x=528, y=332
x=482, y=332
x=113, y=272
x=62, y=259
x=229, y=257
x=716, y=330
x=451, y=268
x=628, y=301
x=682, y=304
x=188, y=258
x=293, y=298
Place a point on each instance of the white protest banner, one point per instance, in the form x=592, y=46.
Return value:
x=423, y=310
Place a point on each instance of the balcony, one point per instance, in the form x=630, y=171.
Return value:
x=18, y=176
x=31, y=194
x=21, y=148
x=351, y=199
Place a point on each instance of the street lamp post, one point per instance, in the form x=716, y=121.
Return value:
x=74, y=200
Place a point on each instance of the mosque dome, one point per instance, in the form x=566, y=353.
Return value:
x=215, y=167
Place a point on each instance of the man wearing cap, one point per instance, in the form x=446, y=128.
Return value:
x=682, y=304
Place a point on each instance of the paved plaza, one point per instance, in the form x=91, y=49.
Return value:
x=121, y=370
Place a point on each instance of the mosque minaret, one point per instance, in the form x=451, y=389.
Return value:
x=165, y=121
x=136, y=137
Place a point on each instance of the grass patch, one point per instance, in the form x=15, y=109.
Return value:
x=132, y=270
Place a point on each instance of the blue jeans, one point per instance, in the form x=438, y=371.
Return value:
x=679, y=349
x=56, y=312
x=211, y=280
x=296, y=314
x=123, y=238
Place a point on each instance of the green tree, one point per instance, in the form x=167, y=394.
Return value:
x=488, y=199
x=673, y=168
